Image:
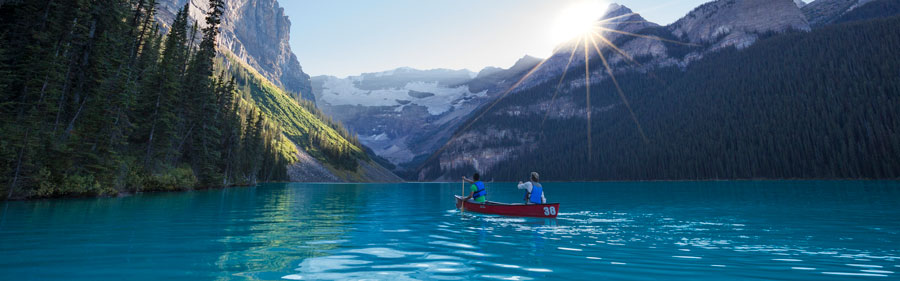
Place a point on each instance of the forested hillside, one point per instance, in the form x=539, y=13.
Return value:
x=301, y=122
x=95, y=100
x=822, y=104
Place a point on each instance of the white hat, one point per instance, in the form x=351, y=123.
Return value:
x=535, y=176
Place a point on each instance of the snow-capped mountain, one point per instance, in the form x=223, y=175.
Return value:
x=400, y=113
x=436, y=94
x=406, y=114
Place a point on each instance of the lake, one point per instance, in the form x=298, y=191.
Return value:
x=746, y=230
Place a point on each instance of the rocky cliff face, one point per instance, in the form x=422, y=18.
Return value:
x=258, y=33
x=707, y=28
x=738, y=23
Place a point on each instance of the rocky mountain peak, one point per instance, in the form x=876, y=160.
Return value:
x=526, y=62
x=617, y=17
x=621, y=18
x=615, y=9
x=738, y=23
x=257, y=32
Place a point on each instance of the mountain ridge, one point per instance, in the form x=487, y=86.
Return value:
x=712, y=28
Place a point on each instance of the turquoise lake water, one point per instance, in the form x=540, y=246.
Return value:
x=784, y=230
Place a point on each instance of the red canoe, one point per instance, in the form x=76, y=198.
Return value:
x=517, y=210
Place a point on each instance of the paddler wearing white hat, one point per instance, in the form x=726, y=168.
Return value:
x=535, y=192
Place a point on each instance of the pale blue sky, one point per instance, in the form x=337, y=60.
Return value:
x=348, y=37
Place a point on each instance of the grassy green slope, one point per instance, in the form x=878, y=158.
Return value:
x=308, y=128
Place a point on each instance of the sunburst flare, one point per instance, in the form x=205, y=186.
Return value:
x=587, y=38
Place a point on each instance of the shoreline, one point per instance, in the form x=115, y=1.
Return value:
x=128, y=194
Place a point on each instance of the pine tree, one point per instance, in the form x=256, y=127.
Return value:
x=163, y=93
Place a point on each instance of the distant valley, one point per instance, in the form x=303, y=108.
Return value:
x=405, y=114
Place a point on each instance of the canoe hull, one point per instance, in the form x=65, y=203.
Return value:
x=516, y=210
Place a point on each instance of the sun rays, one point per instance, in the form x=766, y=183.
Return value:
x=592, y=41
x=587, y=40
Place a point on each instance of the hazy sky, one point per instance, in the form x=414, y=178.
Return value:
x=349, y=37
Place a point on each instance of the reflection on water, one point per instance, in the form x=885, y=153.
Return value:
x=272, y=229
x=631, y=231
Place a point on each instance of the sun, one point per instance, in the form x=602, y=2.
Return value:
x=578, y=19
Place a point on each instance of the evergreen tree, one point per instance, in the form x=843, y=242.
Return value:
x=200, y=90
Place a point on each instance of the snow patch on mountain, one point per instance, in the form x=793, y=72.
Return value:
x=345, y=92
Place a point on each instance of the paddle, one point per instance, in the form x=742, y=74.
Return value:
x=462, y=205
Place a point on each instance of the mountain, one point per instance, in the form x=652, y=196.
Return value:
x=395, y=111
x=495, y=80
x=707, y=28
x=617, y=20
x=256, y=32
x=735, y=89
x=254, y=41
x=405, y=114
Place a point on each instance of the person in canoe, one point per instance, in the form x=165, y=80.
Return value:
x=477, y=191
x=535, y=192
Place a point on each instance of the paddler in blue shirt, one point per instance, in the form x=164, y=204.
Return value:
x=535, y=192
x=478, y=193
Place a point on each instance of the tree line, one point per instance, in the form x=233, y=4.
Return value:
x=96, y=100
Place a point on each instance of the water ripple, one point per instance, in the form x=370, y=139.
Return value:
x=610, y=231
x=854, y=274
